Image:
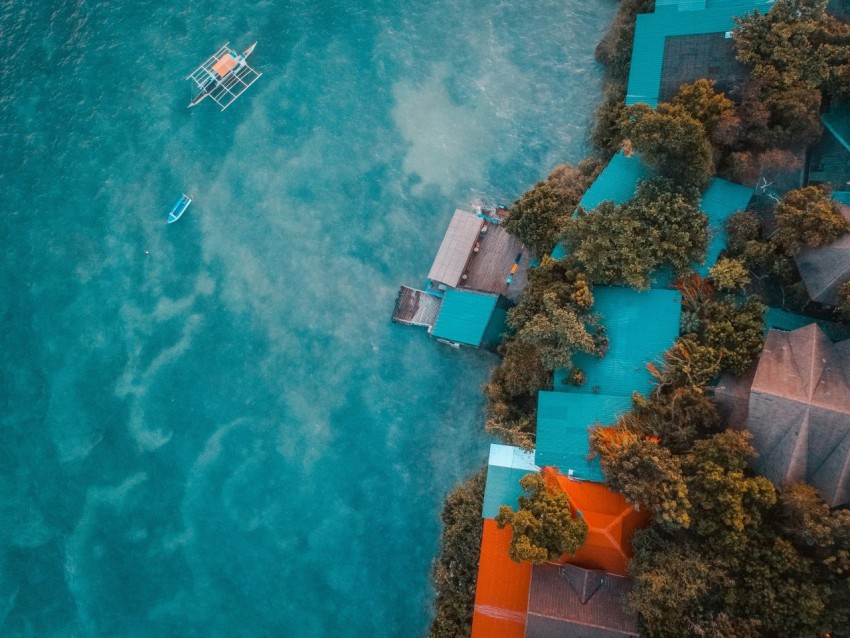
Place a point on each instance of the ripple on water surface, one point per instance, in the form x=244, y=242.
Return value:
x=212, y=428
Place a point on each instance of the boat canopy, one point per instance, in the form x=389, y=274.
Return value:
x=225, y=65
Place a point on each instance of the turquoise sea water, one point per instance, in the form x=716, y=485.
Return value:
x=212, y=428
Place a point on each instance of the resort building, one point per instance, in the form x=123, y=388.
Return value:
x=828, y=161
x=683, y=41
x=583, y=590
x=479, y=271
x=797, y=405
x=633, y=341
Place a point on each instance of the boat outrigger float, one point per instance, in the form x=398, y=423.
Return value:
x=224, y=76
x=179, y=208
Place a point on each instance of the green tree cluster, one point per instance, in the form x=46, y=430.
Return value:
x=552, y=322
x=730, y=326
x=807, y=218
x=672, y=141
x=796, y=52
x=796, y=44
x=660, y=225
x=539, y=216
x=543, y=528
x=455, y=571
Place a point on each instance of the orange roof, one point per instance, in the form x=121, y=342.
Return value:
x=224, y=65
x=610, y=519
x=501, y=595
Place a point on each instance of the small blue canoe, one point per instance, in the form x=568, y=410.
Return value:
x=179, y=208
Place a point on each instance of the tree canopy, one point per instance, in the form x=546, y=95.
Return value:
x=660, y=225
x=538, y=217
x=796, y=44
x=672, y=141
x=544, y=527
x=807, y=218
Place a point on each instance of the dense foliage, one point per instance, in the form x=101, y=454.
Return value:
x=615, y=49
x=731, y=327
x=543, y=528
x=456, y=569
x=796, y=44
x=540, y=215
x=660, y=225
x=552, y=322
x=807, y=218
x=672, y=141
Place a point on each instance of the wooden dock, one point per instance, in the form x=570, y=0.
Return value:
x=416, y=308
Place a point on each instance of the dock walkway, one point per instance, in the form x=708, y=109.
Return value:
x=416, y=308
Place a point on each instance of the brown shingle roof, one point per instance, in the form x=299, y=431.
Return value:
x=799, y=411
x=824, y=269
x=555, y=605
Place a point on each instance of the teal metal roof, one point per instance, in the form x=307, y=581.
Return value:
x=720, y=200
x=507, y=465
x=837, y=121
x=842, y=196
x=562, y=430
x=641, y=326
x=652, y=30
x=617, y=183
x=778, y=319
x=464, y=316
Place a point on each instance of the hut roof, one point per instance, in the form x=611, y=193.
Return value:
x=824, y=269
x=640, y=326
x=720, y=200
x=501, y=593
x=455, y=249
x=610, y=519
x=685, y=18
x=464, y=316
x=565, y=600
x=617, y=183
x=562, y=430
x=799, y=411
x=506, y=466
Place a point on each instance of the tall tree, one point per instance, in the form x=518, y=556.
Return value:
x=807, y=218
x=544, y=527
x=660, y=225
x=672, y=141
x=538, y=217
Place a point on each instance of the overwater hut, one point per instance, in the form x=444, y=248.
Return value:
x=796, y=403
x=479, y=271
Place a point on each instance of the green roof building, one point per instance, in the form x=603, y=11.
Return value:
x=562, y=430
x=505, y=467
x=617, y=183
x=471, y=318
x=683, y=41
x=719, y=201
x=640, y=325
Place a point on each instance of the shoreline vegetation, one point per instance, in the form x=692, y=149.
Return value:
x=726, y=553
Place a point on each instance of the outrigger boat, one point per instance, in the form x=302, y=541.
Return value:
x=224, y=76
x=179, y=208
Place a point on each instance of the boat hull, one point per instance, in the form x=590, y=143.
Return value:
x=179, y=208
